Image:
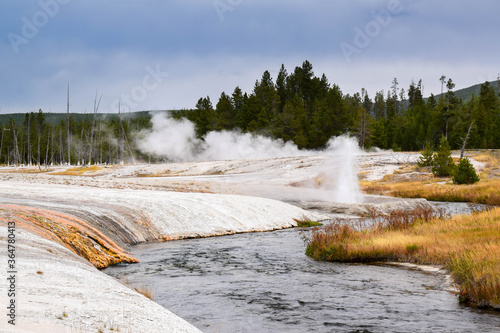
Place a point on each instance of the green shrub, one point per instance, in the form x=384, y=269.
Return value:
x=427, y=156
x=395, y=147
x=465, y=173
x=412, y=248
x=307, y=223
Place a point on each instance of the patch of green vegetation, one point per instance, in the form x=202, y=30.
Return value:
x=307, y=223
x=412, y=248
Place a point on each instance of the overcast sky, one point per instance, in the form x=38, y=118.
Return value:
x=166, y=54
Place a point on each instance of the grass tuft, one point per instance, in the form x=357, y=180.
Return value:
x=305, y=222
x=144, y=290
x=140, y=288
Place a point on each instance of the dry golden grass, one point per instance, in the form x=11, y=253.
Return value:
x=469, y=246
x=140, y=288
x=484, y=192
x=145, y=290
x=165, y=173
x=78, y=171
x=423, y=184
x=490, y=158
x=29, y=170
x=405, y=168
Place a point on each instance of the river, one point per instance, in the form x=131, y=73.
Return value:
x=263, y=282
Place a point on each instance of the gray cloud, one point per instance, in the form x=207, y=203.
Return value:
x=108, y=46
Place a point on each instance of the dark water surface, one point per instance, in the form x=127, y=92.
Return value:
x=263, y=282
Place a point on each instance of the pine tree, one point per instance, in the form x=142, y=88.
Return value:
x=465, y=173
x=281, y=87
x=427, y=156
x=205, y=117
x=225, y=113
x=443, y=163
x=293, y=122
x=379, y=134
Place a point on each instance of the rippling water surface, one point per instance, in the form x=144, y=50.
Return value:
x=263, y=282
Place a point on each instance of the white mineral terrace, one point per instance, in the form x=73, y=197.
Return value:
x=59, y=291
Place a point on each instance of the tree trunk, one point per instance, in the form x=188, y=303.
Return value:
x=68, y=133
x=464, y=143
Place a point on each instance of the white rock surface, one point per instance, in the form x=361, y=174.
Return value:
x=171, y=215
x=57, y=291
x=61, y=292
x=149, y=208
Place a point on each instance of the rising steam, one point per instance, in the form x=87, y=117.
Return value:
x=176, y=141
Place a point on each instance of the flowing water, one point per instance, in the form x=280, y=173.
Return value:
x=263, y=282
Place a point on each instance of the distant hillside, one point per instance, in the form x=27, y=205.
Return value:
x=465, y=94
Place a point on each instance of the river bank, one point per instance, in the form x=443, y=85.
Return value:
x=468, y=246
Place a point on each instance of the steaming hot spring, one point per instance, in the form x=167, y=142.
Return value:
x=246, y=164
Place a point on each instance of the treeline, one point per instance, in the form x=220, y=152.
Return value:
x=73, y=139
x=308, y=110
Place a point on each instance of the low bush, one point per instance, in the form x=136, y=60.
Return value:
x=465, y=173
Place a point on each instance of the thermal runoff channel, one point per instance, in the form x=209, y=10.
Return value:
x=176, y=141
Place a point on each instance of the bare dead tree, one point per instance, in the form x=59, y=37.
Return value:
x=39, y=136
x=100, y=141
x=47, y=153
x=402, y=159
x=120, y=133
x=498, y=84
x=363, y=128
x=464, y=140
x=17, y=156
x=68, y=136
x=128, y=145
x=80, y=150
x=96, y=107
x=52, y=146
x=29, y=139
x=38, y=147
x=61, y=149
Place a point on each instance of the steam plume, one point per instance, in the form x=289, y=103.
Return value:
x=176, y=140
